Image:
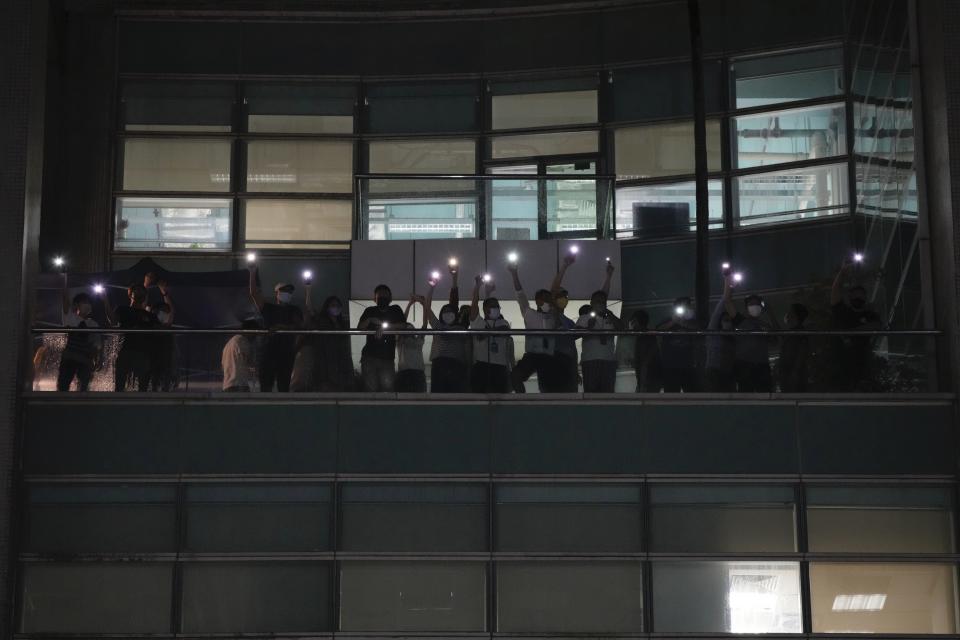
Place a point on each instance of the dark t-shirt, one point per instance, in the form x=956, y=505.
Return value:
x=846, y=317
x=133, y=318
x=751, y=349
x=281, y=316
x=385, y=348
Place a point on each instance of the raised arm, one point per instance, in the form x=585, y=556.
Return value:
x=617, y=323
x=475, y=299
x=836, y=291
x=308, y=298
x=522, y=299
x=558, y=279
x=728, y=296
x=607, y=278
x=255, y=294
x=717, y=313
x=65, y=295
x=428, y=314
x=454, y=286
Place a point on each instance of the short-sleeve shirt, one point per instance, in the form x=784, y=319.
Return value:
x=384, y=348
x=491, y=349
x=751, y=349
x=133, y=318
x=601, y=347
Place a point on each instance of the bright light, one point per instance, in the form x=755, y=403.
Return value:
x=574, y=249
x=593, y=314
x=725, y=265
x=858, y=257
x=384, y=324
x=307, y=274
x=59, y=261
x=435, y=276
x=860, y=602
x=98, y=288
x=738, y=277
x=487, y=277
x=452, y=262
x=512, y=257
x=251, y=258
x=680, y=310
x=608, y=259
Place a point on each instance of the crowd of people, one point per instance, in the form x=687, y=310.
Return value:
x=394, y=361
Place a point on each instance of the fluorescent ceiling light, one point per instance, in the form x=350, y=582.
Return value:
x=860, y=602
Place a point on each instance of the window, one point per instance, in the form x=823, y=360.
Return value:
x=791, y=135
x=96, y=598
x=569, y=518
x=726, y=597
x=422, y=108
x=799, y=194
x=173, y=224
x=100, y=519
x=292, y=108
x=413, y=518
x=882, y=598
x=705, y=519
x=297, y=224
x=665, y=209
x=544, y=109
x=659, y=150
x=879, y=520
x=160, y=164
x=514, y=204
x=887, y=191
x=177, y=106
x=544, y=144
x=260, y=518
x=235, y=597
x=570, y=597
x=884, y=131
x=787, y=77
x=572, y=201
x=662, y=91
x=412, y=596
x=300, y=166
x=455, y=157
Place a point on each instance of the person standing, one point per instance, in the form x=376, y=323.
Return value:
x=377, y=358
x=492, y=355
x=539, y=350
x=82, y=351
x=599, y=358
x=411, y=374
x=278, y=352
x=135, y=353
x=752, y=364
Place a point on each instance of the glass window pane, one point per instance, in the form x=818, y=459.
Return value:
x=514, y=204
x=572, y=201
x=456, y=157
x=665, y=209
x=787, y=77
x=300, y=166
x=879, y=520
x=726, y=597
x=882, y=598
x=701, y=519
x=239, y=597
x=658, y=150
x=160, y=164
x=412, y=596
x=889, y=192
x=173, y=224
x=663, y=91
x=292, y=108
x=258, y=518
x=791, y=136
x=402, y=209
x=548, y=109
x=96, y=598
x=884, y=132
x=544, y=144
x=568, y=518
x=422, y=108
x=419, y=517
x=177, y=106
x=790, y=196
x=570, y=597
x=100, y=519
x=297, y=224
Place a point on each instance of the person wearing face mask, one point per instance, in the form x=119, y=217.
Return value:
x=538, y=354
x=721, y=353
x=377, y=358
x=565, y=348
x=82, y=351
x=599, y=359
x=752, y=364
x=646, y=355
x=448, y=354
x=334, y=356
x=492, y=355
x=278, y=352
x=794, y=352
x=411, y=375
x=134, y=355
x=852, y=312
x=679, y=353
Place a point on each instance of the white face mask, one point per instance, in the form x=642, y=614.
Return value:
x=754, y=310
x=448, y=317
x=493, y=313
x=284, y=297
x=163, y=317
x=545, y=307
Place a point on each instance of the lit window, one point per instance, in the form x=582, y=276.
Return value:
x=173, y=224
x=161, y=164
x=291, y=108
x=796, y=195
x=665, y=209
x=791, y=136
x=658, y=150
x=456, y=157
x=177, y=106
x=544, y=144
x=546, y=109
x=787, y=77
x=296, y=224
x=300, y=166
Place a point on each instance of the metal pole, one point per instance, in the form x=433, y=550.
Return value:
x=700, y=151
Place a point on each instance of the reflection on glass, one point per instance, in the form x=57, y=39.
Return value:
x=400, y=209
x=535, y=145
x=726, y=597
x=884, y=131
x=548, y=109
x=457, y=157
x=572, y=203
x=787, y=77
x=177, y=106
x=665, y=209
x=887, y=191
x=570, y=597
x=173, y=224
x=161, y=164
x=790, y=136
x=299, y=108
x=882, y=598
x=879, y=520
x=297, y=223
x=412, y=596
x=666, y=149
x=300, y=166
x=514, y=204
x=785, y=196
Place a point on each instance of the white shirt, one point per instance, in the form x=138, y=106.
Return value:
x=410, y=352
x=238, y=363
x=492, y=349
x=601, y=347
x=536, y=319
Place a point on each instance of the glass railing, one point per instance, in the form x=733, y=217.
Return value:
x=484, y=362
